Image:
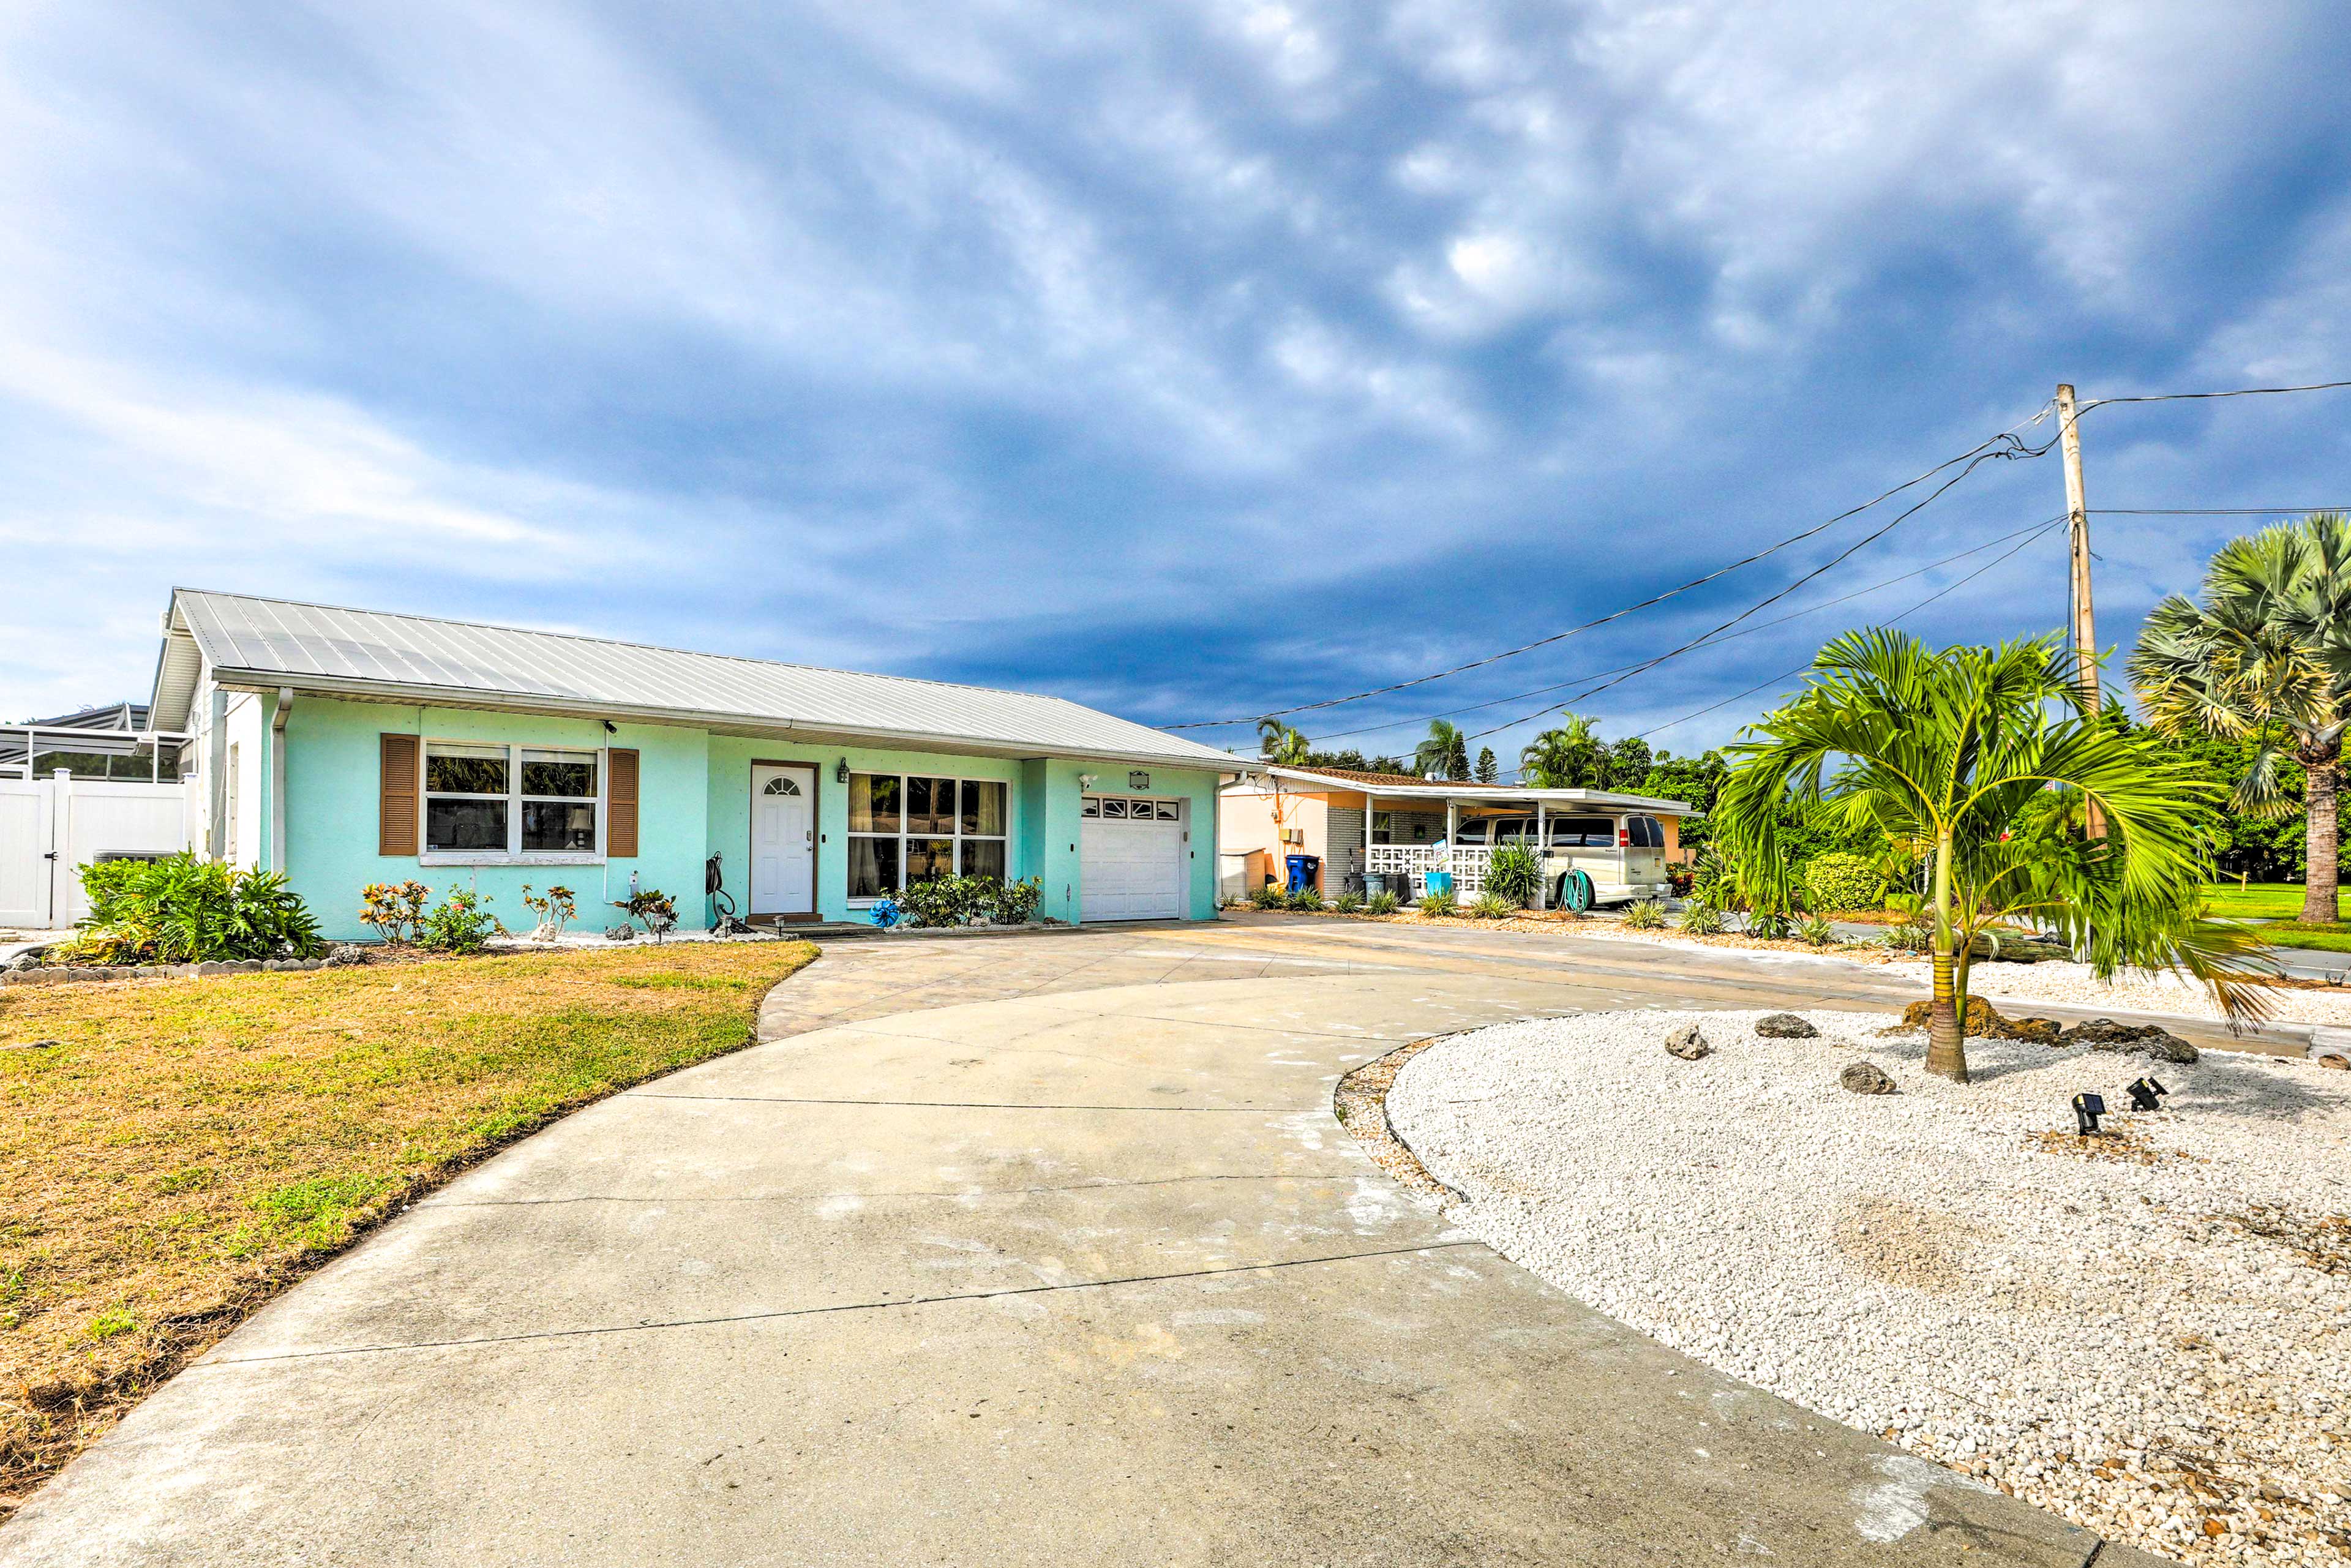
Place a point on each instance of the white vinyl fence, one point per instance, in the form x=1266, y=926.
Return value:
x=51, y=827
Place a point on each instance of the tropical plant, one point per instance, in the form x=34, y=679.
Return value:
x=2266, y=656
x=1515, y=873
x=1278, y=743
x=1491, y=906
x=1439, y=903
x=1016, y=903
x=1382, y=903
x=1645, y=914
x=460, y=923
x=1308, y=898
x=1569, y=756
x=1771, y=924
x=944, y=901
x=1817, y=930
x=1702, y=919
x=1348, y=903
x=555, y=910
x=1488, y=770
x=1268, y=896
x=183, y=910
x=653, y=908
x=391, y=909
x=1444, y=754
x=1947, y=749
x=1839, y=880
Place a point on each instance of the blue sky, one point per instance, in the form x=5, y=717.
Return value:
x=1190, y=361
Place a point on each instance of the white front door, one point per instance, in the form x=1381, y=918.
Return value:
x=1130, y=859
x=783, y=840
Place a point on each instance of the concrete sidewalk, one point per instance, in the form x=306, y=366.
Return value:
x=1005, y=1253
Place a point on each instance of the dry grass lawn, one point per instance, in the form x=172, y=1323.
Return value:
x=189, y=1148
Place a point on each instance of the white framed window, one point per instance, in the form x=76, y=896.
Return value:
x=488, y=801
x=905, y=828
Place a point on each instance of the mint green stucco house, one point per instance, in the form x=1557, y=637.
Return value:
x=344, y=747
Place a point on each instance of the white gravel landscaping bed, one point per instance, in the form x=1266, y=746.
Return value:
x=2155, y=1343
x=2132, y=990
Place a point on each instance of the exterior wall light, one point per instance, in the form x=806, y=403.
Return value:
x=840, y=771
x=1085, y=780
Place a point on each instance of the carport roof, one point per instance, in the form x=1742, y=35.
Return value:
x=262, y=643
x=1404, y=787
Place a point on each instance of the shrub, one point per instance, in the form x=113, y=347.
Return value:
x=1382, y=903
x=1702, y=919
x=1816, y=931
x=460, y=923
x=1348, y=903
x=1308, y=898
x=1268, y=897
x=182, y=910
x=554, y=912
x=655, y=908
x=1909, y=936
x=394, y=908
x=1647, y=914
x=1515, y=874
x=1838, y=881
x=1437, y=904
x=1491, y=906
x=1016, y=902
x=1771, y=924
x=947, y=899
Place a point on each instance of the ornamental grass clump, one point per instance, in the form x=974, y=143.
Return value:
x=1491, y=906
x=1307, y=899
x=1382, y=903
x=1267, y=897
x=1645, y=914
x=1436, y=904
x=1514, y=873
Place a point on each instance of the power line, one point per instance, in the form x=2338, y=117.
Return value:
x=1749, y=632
x=2038, y=531
x=2197, y=396
x=1981, y=455
x=2209, y=511
x=2005, y=444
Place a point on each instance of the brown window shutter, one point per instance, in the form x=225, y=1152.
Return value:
x=396, y=813
x=620, y=832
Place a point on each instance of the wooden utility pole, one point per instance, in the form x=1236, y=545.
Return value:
x=2085, y=634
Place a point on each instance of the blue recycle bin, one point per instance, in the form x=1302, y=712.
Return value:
x=1302, y=871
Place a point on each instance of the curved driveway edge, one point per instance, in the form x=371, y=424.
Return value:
x=1000, y=1252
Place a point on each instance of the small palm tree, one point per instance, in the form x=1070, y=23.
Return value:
x=2268, y=655
x=1444, y=754
x=1953, y=752
x=1281, y=745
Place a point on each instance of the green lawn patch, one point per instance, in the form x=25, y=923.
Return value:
x=188, y=1148
x=2333, y=939
x=2259, y=899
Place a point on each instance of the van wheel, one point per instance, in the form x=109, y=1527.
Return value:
x=1576, y=893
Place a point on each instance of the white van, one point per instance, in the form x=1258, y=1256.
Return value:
x=1623, y=852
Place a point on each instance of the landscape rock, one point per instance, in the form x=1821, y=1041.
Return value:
x=2335, y=1059
x=2132, y=1040
x=1687, y=1043
x=346, y=957
x=1866, y=1078
x=1785, y=1026
x=2035, y=1031
x=620, y=933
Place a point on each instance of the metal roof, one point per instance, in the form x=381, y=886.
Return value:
x=1347, y=781
x=263, y=642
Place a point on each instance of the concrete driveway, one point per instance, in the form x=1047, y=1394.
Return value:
x=1008, y=1251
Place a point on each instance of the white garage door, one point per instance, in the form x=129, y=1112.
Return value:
x=1130, y=859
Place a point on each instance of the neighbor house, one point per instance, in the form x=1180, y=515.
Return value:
x=346, y=747
x=1396, y=827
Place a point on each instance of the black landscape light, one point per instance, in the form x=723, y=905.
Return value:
x=2147, y=1095
x=2087, y=1108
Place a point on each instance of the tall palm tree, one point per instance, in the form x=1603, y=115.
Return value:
x=1951, y=752
x=2268, y=655
x=1568, y=755
x=1444, y=754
